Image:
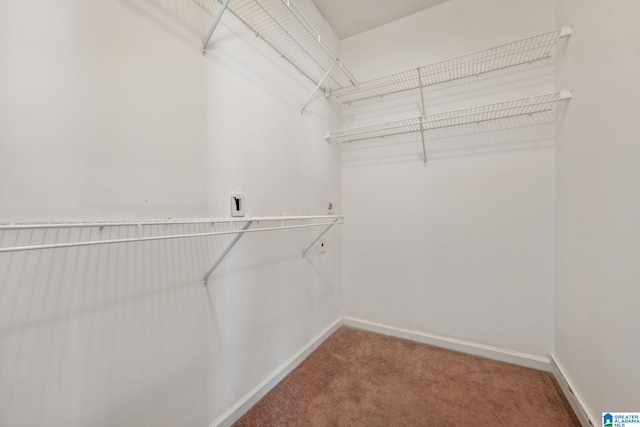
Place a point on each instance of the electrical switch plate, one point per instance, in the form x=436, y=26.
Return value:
x=322, y=245
x=237, y=204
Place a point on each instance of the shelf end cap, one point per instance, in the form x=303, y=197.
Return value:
x=566, y=31
x=565, y=94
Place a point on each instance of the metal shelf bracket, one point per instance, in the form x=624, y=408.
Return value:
x=304, y=253
x=316, y=88
x=205, y=42
x=225, y=253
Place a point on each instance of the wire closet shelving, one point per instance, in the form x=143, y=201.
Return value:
x=500, y=110
x=508, y=55
x=281, y=24
x=18, y=237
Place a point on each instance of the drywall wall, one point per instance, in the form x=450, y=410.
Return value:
x=464, y=246
x=598, y=206
x=110, y=112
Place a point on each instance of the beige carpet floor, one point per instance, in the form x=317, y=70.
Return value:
x=359, y=378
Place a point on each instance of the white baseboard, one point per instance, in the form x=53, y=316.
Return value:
x=585, y=417
x=234, y=413
x=496, y=353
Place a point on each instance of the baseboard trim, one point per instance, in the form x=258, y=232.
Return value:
x=585, y=417
x=496, y=353
x=234, y=413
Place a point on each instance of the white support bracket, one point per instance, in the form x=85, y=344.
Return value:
x=205, y=42
x=424, y=113
x=304, y=253
x=225, y=253
x=316, y=88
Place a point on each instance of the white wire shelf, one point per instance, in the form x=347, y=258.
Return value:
x=17, y=237
x=508, y=55
x=501, y=110
x=283, y=27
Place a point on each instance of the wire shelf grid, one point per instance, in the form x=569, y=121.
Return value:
x=15, y=237
x=500, y=110
x=283, y=27
x=497, y=58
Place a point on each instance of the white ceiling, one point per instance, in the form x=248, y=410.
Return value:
x=351, y=17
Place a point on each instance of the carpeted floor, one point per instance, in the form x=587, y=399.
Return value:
x=359, y=378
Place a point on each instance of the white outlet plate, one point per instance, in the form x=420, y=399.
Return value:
x=322, y=245
x=237, y=204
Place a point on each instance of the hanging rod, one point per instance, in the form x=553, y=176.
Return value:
x=479, y=114
x=508, y=55
x=286, y=30
x=141, y=226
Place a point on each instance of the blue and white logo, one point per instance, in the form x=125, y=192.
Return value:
x=621, y=419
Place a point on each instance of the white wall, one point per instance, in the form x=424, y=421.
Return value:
x=598, y=205
x=110, y=112
x=463, y=247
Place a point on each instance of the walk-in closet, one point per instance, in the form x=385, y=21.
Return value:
x=319, y=213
